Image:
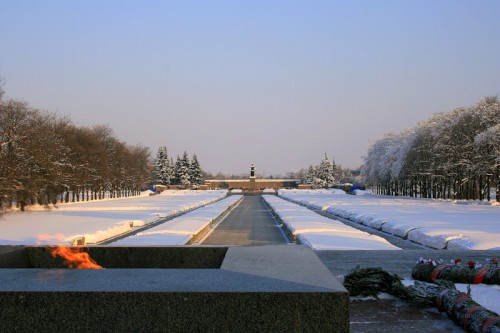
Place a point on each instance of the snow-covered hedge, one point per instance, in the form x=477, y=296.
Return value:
x=435, y=223
x=96, y=221
x=322, y=233
x=181, y=230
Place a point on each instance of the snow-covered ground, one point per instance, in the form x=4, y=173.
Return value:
x=180, y=230
x=486, y=295
x=322, y=233
x=435, y=223
x=97, y=220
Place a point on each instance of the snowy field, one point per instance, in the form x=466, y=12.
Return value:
x=435, y=223
x=486, y=295
x=180, y=231
x=97, y=220
x=322, y=233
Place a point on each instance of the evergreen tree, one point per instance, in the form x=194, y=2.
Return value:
x=177, y=170
x=326, y=171
x=163, y=168
x=184, y=170
x=311, y=174
x=170, y=170
x=334, y=170
x=195, y=171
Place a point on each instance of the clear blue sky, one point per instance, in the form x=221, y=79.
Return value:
x=274, y=83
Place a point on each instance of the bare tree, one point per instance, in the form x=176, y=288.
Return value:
x=45, y=158
x=2, y=91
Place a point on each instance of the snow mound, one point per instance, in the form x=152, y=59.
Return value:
x=157, y=238
x=432, y=238
x=347, y=241
x=181, y=230
x=100, y=219
x=440, y=224
x=322, y=233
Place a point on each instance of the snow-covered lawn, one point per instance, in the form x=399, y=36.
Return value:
x=180, y=230
x=97, y=220
x=486, y=295
x=322, y=233
x=436, y=223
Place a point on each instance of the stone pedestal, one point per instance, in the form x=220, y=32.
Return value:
x=252, y=183
x=236, y=289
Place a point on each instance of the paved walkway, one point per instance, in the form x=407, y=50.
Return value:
x=250, y=223
x=396, y=262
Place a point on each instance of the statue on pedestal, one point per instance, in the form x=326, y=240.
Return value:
x=252, y=171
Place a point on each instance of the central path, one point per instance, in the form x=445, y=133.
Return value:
x=250, y=223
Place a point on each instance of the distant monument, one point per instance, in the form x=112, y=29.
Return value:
x=252, y=183
x=252, y=177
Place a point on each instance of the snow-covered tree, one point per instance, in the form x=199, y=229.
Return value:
x=86, y=163
x=184, y=177
x=195, y=171
x=311, y=174
x=322, y=175
x=2, y=91
x=177, y=170
x=449, y=155
x=164, y=170
x=488, y=146
x=326, y=171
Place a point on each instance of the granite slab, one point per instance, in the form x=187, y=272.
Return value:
x=254, y=289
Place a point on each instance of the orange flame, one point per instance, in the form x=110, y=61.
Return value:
x=74, y=257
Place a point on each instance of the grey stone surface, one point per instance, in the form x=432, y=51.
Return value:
x=13, y=256
x=381, y=316
x=250, y=223
x=118, y=257
x=398, y=262
x=281, y=263
x=393, y=315
x=146, y=280
x=274, y=296
x=170, y=312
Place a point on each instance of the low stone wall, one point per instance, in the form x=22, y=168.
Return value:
x=251, y=184
x=254, y=289
x=118, y=257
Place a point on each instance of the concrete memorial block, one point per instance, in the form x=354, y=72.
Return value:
x=172, y=289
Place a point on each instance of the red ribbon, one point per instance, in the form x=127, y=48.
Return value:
x=480, y=275
x=488, y=322
x=469, y=314
x=436, y=271
x=439, y=299
x=461, y=299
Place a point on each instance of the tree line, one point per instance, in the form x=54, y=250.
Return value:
x=312, y=176
x=184, y=171
x=452, y=155
x=323, y=174
x=45, y=158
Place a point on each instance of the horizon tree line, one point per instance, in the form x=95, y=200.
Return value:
x=45, y=159
x=323, y=174
x=184, y=171
x=452, y=155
